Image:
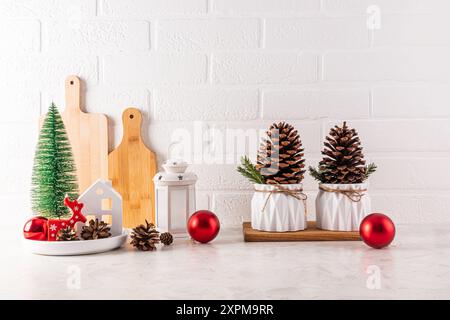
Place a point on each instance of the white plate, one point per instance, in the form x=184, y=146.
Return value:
x=74, y=248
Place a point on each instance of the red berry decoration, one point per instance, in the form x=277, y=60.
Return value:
x=203, y=226
x=36, y=229
x=377, y=230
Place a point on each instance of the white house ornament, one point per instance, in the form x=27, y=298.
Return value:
x=104, y=203
x=175, y=197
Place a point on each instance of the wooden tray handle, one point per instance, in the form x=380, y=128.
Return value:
x=73, y=93
x=132, y=120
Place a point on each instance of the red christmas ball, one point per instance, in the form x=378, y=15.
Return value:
x=36, y=229
x=203, y=226
x=377, y=230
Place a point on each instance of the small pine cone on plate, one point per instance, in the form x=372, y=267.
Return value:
x=96, y=230
x=67, y=234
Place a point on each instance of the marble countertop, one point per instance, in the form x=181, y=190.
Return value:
x=417, y=265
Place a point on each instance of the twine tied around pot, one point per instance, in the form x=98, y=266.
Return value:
x=278, y=188
x=353, y=195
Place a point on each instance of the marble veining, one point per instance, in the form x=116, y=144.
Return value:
x=416, y=266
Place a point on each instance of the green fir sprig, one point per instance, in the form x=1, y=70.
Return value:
x=370, y=169
x=248, y=170
x=318, y=173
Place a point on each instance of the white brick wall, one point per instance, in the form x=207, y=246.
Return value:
x=208, y=34
x=264, y=68
x=240, y=64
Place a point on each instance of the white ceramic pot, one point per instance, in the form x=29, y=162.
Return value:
x=278, y=212
x=337, y=212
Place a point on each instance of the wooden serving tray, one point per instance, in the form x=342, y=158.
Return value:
x=311, y=234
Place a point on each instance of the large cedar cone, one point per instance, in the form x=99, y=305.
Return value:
x=96, y=230
x=66, y=234
x=166, y=238
x=280, y=157
x=344, y=161
x=145, y=238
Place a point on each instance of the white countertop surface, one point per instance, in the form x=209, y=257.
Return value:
x=417, y=265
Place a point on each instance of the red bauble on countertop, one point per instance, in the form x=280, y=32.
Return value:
x=36, y=229
x=203, y=226
x=377, y=230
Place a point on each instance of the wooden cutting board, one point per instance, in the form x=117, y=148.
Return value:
x=88, y=136
x=311, y=234
x=132, y=167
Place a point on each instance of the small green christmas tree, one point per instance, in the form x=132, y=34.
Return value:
x=54, y=171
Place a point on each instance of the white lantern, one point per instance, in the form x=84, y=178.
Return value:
x=175, y=197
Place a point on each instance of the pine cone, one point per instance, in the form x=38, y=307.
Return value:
x=66, y=234
x=166, y=238
x=280, y=158
x=344, y=161
x=145, y=238
x=95, y=230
